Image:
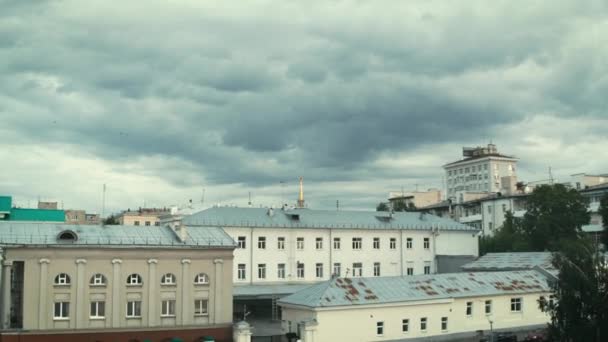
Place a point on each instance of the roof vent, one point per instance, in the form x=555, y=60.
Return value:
x=67, y=236
x=270, y=212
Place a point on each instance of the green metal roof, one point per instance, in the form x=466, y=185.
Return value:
x=45, y=215
x=338, y=292
x=29, y=233
x=510, y=261
x=310, y=218
x=6, y=203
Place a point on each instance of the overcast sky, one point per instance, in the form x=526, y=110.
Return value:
x=160, y=99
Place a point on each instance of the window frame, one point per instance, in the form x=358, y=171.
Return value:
x=167, y=308
x=300, y=243
x=357, y=266
x=130, y=277
x=376, y=269
x=337, y=266
x=405, y=325
x=392, y=243
x=488, y=305
x=205, y=279
x=241, y=272
x=62, y=279
x=64, y=311
x=424, y=324
x=100, y=306
x=444, y=324
x=94, y=277
x=426, y=242
x=168, y=279
x=319, y=270
x=380, y=328
x=281, y=243
x=281, y=271
x=409, y=243
x=261, y=271
x=357, y=243
x=337, y=243
x=261, y=242
x=376, y=243
x=134, y=306
x=241, y=242
x=517, y=304
x=200, y=301
x=318, y=243
x=300, y=271
x=469, y=309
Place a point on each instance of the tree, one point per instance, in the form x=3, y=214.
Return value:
x=508, y=238
x=401, y=205
x=554, y=214
x=110, y=220
x=579, y=305
x=603, y=211
x=382, y=206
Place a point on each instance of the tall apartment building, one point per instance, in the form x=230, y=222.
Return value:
x=120, y=284
x=483, y=169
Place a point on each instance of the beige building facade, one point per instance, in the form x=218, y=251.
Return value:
x=142, y=217
x=97, y=281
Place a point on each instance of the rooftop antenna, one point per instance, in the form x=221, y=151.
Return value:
x=301, y=194
x=550, y=175
x=249, y=203
x=203, y=197
x=337, y=205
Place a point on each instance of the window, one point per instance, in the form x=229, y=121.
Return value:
x=242, y=242
x=167, y=308
x=410, y=271
x=133, y=309
x=488, y=307
x=300, y=243
x=319, y=243
x=427, y=243
x=201, y=279
x=241, y=273
x=469, y=308
x=379, y=328
x=281, y=271
x=157, y=223
x=516, y=304
x=427, y=269
x=300, y=270
x=98, y=280
x=261, y=271
x=147, y=223
x=337, y=243
x=136, y=223
x=134, y=279
x=200, y=307
x=357, y=269
x=319, y=270
x=376, y=243
x=489, y=209
x=376, y=269
x=490, y=225
x=405, y=325
x=62, y=310
x=393, y=243
x=262, y=242
x=409, y=243
x=357, y=242
x=98, y=310
x=168, y=279
x=423, y=324
x=444, y=323
x=281, y=243
x=337, y=269
x=62, y=279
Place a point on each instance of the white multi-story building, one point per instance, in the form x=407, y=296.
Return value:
x=440, y=307
x=483, y=169
x=280, y=250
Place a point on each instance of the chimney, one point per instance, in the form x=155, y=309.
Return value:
x=301, y=195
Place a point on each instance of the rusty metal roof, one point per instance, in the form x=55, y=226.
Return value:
x=382, y=290
x=312, y=218
x=510, y=261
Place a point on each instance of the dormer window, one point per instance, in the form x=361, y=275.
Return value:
x=201, y=279
x=134, y=280
x=67, y=236
x=168, y=279
x=62, y=279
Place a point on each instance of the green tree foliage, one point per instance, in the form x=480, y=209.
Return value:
x=400, y=205
x=603, y=211
x=579, y=306
x=382, y=206
x=509, y=238
x=110, y=220
x=554, y=213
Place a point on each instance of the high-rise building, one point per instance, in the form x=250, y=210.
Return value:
x=482, y=169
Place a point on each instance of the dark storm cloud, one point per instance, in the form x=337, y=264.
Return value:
x=255, y=98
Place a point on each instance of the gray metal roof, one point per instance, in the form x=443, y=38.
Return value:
x=310, y=218
x=381, y=290
x=510, y=261
x=266, y=290
x=28, y=233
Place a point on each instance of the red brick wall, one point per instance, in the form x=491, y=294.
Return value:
x=188, y=335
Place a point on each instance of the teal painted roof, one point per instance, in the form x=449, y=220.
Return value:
x=510, y=261
x=6, y=203
x=29, y=233
x=310, y=218
x=28, y=214
x=338, y=292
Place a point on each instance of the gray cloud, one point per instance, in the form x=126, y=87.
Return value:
x=254, y=95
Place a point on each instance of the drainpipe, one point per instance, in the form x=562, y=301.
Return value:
x=251, y=256
x=434, y=233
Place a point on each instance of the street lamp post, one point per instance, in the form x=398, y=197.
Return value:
x=491, y=330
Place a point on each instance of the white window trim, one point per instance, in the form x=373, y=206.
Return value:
x=168, y=279
x=204, y=277
x=133, y=306
x=96, y=316
x=61, y=307
x=206, y=313
x=167, y=307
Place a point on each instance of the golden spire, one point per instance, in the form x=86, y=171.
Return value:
x=301, y=195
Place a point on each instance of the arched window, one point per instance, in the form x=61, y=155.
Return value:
x=201, y=279
x=98, y=279
x=67, y=236
x=62, y=279
x=134, y=279
x=168, y=279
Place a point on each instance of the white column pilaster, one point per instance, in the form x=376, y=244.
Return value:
x=116, y=304
x=43, y=315
x=80, y=286
x=6, y=293
x=152, y=296
x=186, y=285
x=217, y=290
